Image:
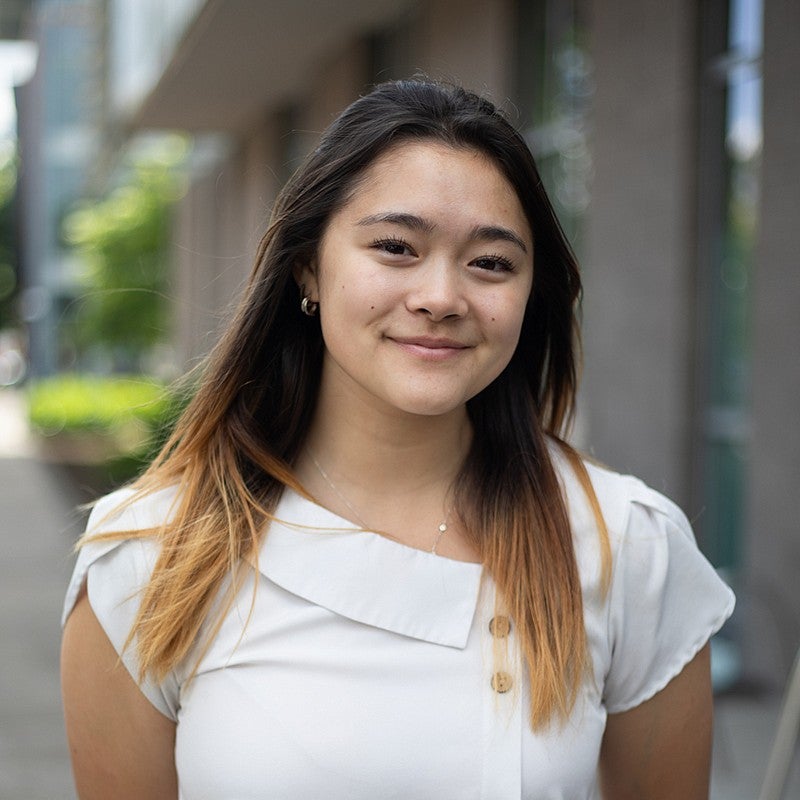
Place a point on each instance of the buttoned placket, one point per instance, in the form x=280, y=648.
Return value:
x=501, y=705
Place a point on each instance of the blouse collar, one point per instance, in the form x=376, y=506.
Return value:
x=366, y=577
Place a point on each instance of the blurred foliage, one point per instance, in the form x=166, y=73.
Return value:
x=120, y=422
x=123, y=241
x=73, y=402
x=8, y=249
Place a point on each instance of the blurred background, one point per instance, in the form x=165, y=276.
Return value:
x=142, y=143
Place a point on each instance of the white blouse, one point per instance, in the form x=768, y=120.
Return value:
x=366, y=667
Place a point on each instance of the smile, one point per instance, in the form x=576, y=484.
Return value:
x=430, y=348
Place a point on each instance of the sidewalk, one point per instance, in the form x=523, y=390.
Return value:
x=38, y=525
x=743, y=733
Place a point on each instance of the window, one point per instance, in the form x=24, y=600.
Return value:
x=728, y=175
x=554, y=86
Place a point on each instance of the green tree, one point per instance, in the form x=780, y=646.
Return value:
x=124, y=242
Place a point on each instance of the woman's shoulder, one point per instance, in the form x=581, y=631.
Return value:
x=619, y=497
x=665, y=599
x=130, y=510
x=114, y=564
x=124, y=562
x=629, y=491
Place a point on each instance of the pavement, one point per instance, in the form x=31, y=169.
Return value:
x=38, y=526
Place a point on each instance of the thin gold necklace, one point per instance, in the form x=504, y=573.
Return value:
x=442, y=529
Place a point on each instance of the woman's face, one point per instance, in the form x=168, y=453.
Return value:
x=422, y=279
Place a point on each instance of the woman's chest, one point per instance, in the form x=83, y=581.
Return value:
x=310, y=703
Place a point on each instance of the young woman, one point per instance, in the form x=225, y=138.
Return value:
x=366, y=565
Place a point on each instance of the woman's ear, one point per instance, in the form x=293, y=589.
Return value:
x=305, y=276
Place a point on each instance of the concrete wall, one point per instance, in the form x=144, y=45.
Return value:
x=773, y=547
x=196, y=270
x=337, y=82
x=468, y=41
x=218, y=227
x=638, y=247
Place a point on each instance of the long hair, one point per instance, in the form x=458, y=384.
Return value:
x=232, y=452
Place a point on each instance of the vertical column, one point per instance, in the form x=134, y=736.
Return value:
x=638, y=308
x=468, y=42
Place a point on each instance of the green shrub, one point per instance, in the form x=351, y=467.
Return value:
x=103, y=430
x=74, y=403
x=131, y=415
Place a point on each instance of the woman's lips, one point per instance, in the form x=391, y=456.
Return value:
x=430, y=348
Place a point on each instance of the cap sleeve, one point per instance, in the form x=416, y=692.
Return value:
x=666, y=601
x=115, y=573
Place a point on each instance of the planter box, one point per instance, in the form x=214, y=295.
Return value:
x=91, y=462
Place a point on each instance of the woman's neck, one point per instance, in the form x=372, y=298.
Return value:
x=371, y=461
x=388, y=471
x=389, y=453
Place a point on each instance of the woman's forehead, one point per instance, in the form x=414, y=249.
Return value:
x=429, y=179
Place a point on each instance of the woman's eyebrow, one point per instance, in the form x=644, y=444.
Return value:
x=491, y=233
x=411, y=221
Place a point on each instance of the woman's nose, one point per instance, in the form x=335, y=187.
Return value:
x=438, y=291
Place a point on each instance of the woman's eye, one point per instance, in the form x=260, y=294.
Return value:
x=493, y=263
x=394, y=247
